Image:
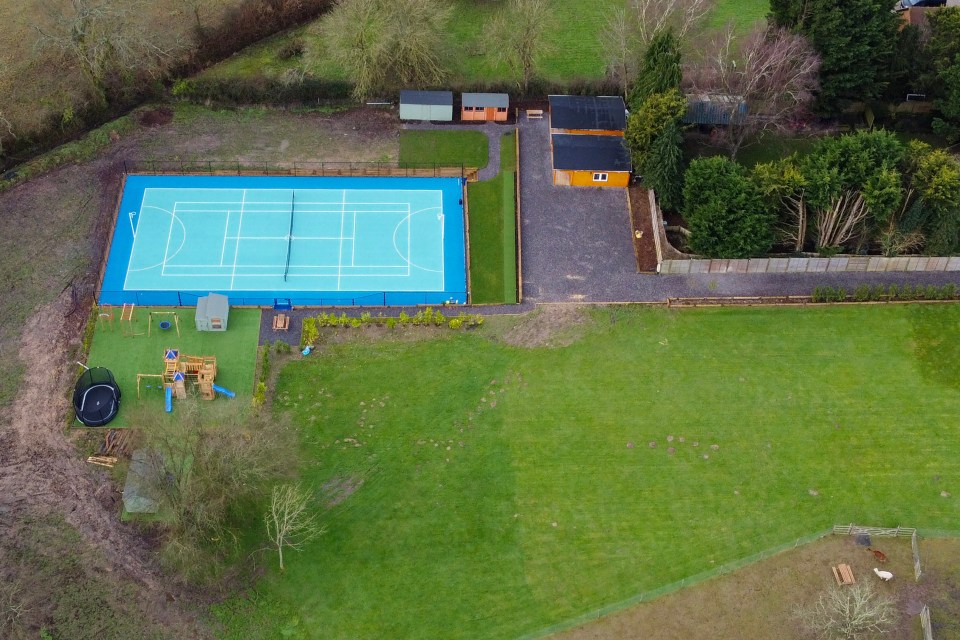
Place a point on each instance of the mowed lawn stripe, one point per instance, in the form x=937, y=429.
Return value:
x=556, y=504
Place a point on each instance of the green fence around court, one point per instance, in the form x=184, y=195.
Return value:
x=729, y=567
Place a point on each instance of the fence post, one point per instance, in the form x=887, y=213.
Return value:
x=210, y=167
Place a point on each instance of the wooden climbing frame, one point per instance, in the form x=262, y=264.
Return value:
x=127, y=318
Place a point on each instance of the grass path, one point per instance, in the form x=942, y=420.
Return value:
x=486, y=491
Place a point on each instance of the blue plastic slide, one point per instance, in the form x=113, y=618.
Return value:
x=226, y=392
x=169, y=399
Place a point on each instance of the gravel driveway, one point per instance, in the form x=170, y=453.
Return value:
x=577, y=246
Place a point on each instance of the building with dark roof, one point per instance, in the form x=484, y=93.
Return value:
x=590, y=160
x=484, y=107
x=426, y=105
x=589, y=115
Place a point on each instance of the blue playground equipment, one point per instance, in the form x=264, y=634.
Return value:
x=169, y=399
x=226, y=392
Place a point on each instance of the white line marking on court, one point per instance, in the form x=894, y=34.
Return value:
x=343, y=217
x=239, y=234
x=226, y=230
x=166, y=250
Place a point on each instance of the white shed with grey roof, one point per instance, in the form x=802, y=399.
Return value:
x=426, y=105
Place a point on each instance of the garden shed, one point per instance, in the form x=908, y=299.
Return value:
x=590, y=161
x=426, y=105
x=484, y=107
x=714, y=109
x=588, y=115
x=212, y=312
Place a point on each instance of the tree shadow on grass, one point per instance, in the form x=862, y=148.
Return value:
x=936, y=340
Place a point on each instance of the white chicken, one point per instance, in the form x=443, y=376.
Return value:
x=883, y=575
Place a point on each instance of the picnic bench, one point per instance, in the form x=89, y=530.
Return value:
x=843, y=574
x=534, y=114
x=281, y=322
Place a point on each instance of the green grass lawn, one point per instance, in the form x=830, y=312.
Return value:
x=576, y=50
x=487, y=491
x=493, y=231
x=235, y=349
x=770, y=147
x=742, y=13
x=443, y=148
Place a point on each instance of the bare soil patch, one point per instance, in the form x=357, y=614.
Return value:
x=763, y=597
x=554, y=325
x=643, y=242
x=155, y=117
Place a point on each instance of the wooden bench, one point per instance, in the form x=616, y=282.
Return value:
x=281, y=322
x=843, y=574
x=534, y=114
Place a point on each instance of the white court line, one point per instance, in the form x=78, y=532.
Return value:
x=166, y=250
x=226, y=230
x=343, y=216
x=133, y=245
x=236, y=254
x=353, y=239
x=294, y=237
x=409, y=237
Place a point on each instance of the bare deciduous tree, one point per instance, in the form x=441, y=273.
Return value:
x=6, y=132
x=385, y=44
x=652, y=16
x=289, y=521
x=772, y=72
x=620, y=47
x=849, y=613
x=102, y=38
x=518, y=35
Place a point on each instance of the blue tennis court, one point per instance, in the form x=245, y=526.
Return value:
x=274, y=240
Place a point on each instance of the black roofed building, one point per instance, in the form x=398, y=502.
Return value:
x=590, y=161
x=588, y=115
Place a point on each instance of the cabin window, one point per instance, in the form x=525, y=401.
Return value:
x=599, y=177
x=468, y=108
x=501, y=109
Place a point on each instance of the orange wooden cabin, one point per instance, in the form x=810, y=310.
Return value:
x=588, y=115
x=484, y=107
x=590, y=161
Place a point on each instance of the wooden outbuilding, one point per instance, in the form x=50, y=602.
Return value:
x=426, y=105
x=484, y=107
x=588, y=115
x=590, y=161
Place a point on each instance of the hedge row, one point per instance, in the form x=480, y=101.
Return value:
x=423, y=318
x=884, y=293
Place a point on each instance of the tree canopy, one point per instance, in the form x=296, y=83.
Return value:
x=660, y=70
x=725, y=210
x=386, y=44
x=855, y=40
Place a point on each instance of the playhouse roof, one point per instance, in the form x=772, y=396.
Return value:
x=500, y=100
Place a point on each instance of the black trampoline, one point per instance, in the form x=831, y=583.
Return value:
x=96, y=397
